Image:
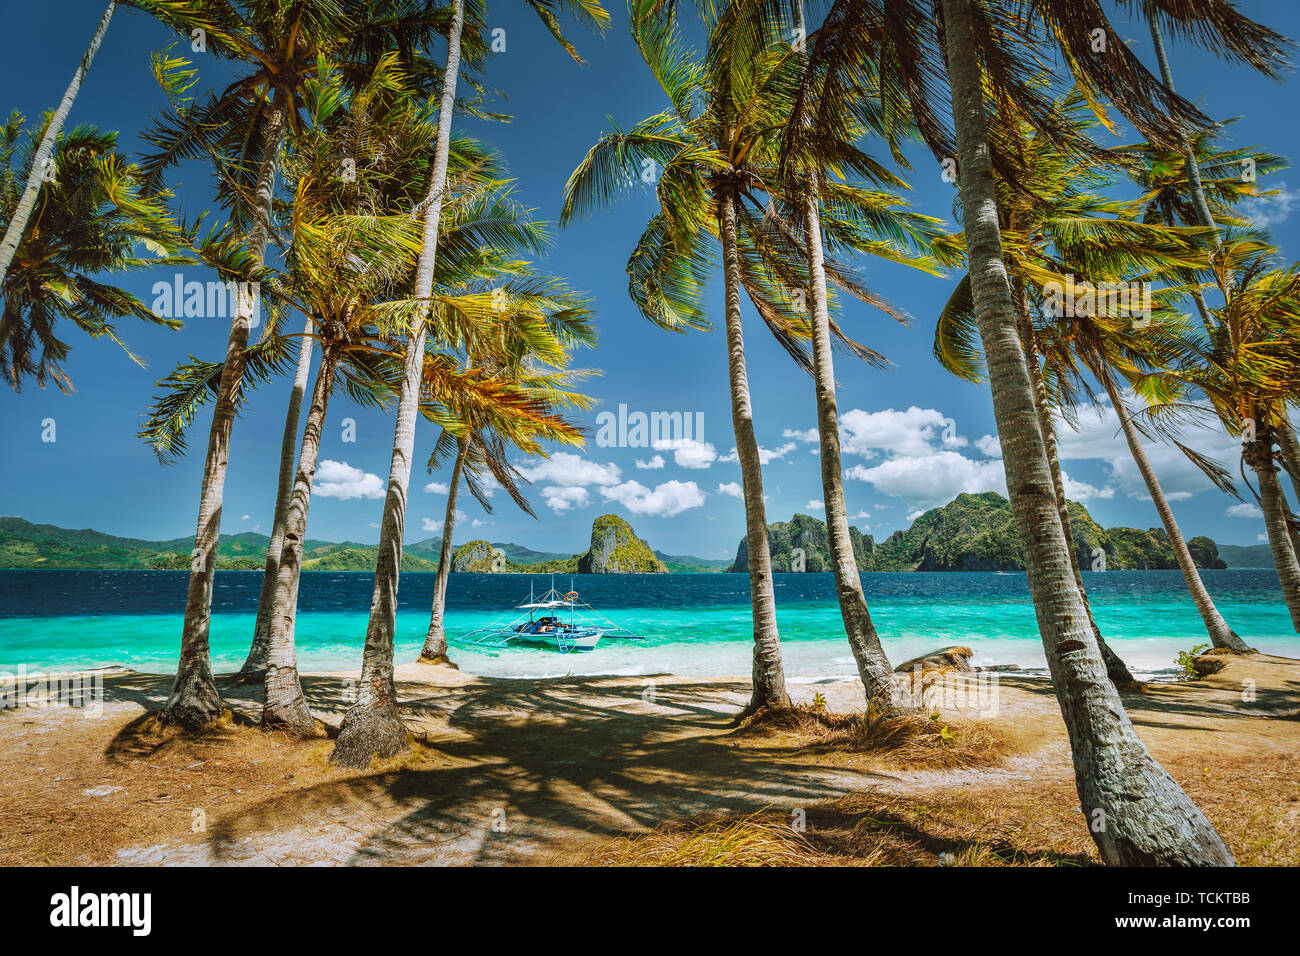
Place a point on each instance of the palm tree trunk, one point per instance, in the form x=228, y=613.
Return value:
x=435, y=642
x=1290, y=449
x=1116, y=669
x=884, y=693
x=194, y=701
x=1221, y=635
x=1136, y=813
x=36, y=175
x=285, y=708
x=254, y=669
x=769, y=672
x=373, y=726
x=1259, y=455
x=1189, y=157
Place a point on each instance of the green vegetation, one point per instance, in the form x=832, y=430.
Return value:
x=615, y=549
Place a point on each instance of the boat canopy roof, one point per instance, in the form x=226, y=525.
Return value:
x=545, y=604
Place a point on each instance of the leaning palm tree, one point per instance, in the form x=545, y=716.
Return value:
x=44, y=166
x=1057, y=225
x=1247, y=367
x=91, y=220
x=978, y=46
x=373, y=724
x=478, y=447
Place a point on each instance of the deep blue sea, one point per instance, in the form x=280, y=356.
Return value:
x=696, y=624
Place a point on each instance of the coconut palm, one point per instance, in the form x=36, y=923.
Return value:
x=44, y=166
x=1057, y=225
x=478, y=448
x=241, y=130
x=997, y=45
x=90, y=221
x=373, y=725
x=708, y=153
x=1246, y=366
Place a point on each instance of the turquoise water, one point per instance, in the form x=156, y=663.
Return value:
x=696, y=624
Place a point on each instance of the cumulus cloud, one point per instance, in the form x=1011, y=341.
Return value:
x=1247, y=509
x=1082, y=491
x=437, y=488
x=1098, y=438
x=654, y=464
x=917, y=431
x=338, y=479
x=566, y=469
x=664, y=501
x=989, y=445
x=245, y=517
x=931, y=479
x=687, y=452
x=808, y=435
x=765, y=455
x=731, y=488
x=560, y=498
x=435, y=524
x=816, y=505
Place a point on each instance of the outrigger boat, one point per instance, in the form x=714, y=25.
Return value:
x=545, y=624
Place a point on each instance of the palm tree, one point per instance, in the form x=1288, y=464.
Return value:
x=43, y=166
x=373, y=725
x=994, y=44
x=824, y=145
x=241, y=129
x=1247, y=367
x=91, y=219
x=478, y=448
x=1055, y=225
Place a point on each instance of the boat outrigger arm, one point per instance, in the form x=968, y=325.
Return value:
x=546, y=623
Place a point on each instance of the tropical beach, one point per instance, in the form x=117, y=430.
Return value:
x=782, y=433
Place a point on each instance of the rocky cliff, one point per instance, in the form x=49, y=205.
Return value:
x=977, y=533
x=615, y=549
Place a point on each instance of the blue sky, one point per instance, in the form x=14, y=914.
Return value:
x=898, y=460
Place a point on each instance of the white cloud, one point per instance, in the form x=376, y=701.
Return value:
x=910, y=433
x=437, y=488
x=373, y=524
x=989, y=445
x=914, y=514
x=1099, y=438
x=765, y=455
x=932, y=479
x=816, y=505
x=654, y=464
x=809, y=436
x=731, y=488
x=1262, y=538
x=478, y=523
x=687, y=452
x=864, y=513
x=245, y=517
x=564, y=468
x=338, y=479
x=668, y=499
x=435, y=524
x=1082, y=491
x=814, y=451
x=1247, y=509
x=561, y=498
x=1266, y=212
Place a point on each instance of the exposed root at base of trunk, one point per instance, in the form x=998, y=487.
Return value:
x=369, y=733
x=437, y=659
x=755, y=707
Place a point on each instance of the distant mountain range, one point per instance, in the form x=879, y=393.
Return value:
x=971, y=533
x=27, y=545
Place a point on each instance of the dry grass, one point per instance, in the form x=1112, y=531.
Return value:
x=866, y=829
x=912, y=741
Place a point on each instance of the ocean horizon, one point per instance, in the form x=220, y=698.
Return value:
x=695, y=625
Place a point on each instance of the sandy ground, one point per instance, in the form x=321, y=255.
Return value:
x=544, y=771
